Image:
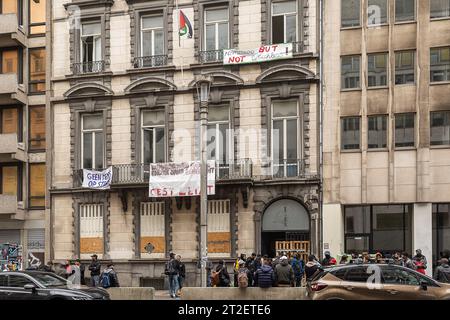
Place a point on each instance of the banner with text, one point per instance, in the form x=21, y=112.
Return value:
x=264, y=53
x=99, y=180
x=179, y=179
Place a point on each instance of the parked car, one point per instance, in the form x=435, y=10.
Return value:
x=375, y=282
x=37, y=285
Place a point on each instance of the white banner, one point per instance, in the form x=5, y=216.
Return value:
x=264, y=53
x=99, y=180
x=179, y=179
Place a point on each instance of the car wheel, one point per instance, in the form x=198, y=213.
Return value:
x=335, y=299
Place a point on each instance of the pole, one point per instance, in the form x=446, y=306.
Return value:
x=203, y=192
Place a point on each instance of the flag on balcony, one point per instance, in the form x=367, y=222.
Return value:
x=185, y=26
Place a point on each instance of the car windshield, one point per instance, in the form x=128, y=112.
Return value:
x=50, y=280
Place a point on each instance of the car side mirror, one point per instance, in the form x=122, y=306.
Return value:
x=424, y=285
x=29, y=286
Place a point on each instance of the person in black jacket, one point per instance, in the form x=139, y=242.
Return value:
x=224, y=276
x=94, y=268
x=181, y=273
x=311, y=268
x=264, y=276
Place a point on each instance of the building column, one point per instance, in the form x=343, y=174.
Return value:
x=333, y=229
x=423, y=232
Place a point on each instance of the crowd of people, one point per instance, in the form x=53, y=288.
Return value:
x=290, y=270
x=74, y=271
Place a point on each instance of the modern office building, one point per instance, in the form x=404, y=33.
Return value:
x=123, y=95
x=386, y=126
x=22, y=126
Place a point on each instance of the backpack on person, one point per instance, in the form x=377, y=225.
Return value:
x=105, y=280
x=243, y=279
x=215, y=278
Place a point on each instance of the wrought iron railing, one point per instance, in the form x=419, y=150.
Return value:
x=241, y=169
x=88, y=67
x=211, y=56
x=149, y=62
x=285, y=169
x=298, y=47
x=130, y=174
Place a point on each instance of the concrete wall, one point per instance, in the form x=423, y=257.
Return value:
x=124, y=293
x=255, y=294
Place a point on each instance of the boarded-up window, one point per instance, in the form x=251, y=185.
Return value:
x=153, y=228
x=10, y=120
x=9, y=180
x=37, y=185
x=37, y=128
x=37, y=70
x=10, y=61
x=91, y=228
x=37, y=16
x=219, y=235
x=9, y=6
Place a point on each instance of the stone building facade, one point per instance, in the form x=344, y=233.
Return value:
x=386, y=137
x=23, y=127
x=123, y=95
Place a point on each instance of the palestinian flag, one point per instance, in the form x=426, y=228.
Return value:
x=185, y=26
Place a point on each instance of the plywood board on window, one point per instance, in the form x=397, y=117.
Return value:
x=9, y=180
x=10, y=119
x=37, y=183
x=159, y=244
x=91, y=245
x=219, y=242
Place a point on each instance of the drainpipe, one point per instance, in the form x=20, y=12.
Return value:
x=321, y=55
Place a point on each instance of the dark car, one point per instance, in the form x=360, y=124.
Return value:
x=375, y=282
x=37, y=285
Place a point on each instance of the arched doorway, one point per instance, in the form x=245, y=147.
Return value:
x=284, y=220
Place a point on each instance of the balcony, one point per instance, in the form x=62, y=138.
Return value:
x=9, y=145
x=88, y=67
x=211, y=56
x=298, y=47
x=11, y=33
x=10, y=206
x=241, y=171
x=138, y=174
x=150, y=62
x=11, y=92
x=289, y=169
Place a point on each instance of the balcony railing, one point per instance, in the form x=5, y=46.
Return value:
x=241, y=169
x=298, y=47
x=88, y=67
x=211, y=56
x=285, y=169
x=139, y=174
x=150, y=62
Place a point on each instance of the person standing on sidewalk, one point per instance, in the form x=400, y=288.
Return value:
x=284, y=274
x=172, y=270
x=94, y=268
x=420, y=261
x=181, y=274
x=297, y=266
x=264, y=276
x=311, y=268
x=442, y=272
